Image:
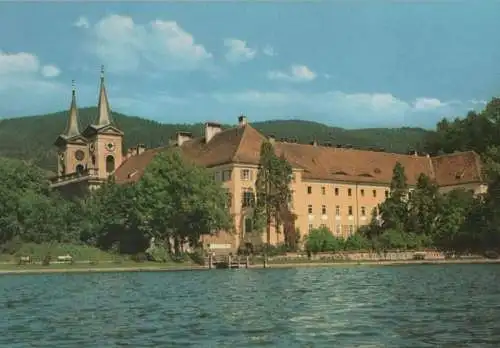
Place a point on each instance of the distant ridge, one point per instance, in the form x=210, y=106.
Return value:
x=31, y=137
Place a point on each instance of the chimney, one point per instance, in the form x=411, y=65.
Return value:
x=271, y=138
x=314, y=143
x=211, y=129
x=130, y=152
x=242, y=120
x=183, y=137
x=140, y=148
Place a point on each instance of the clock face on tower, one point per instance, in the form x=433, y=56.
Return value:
x=110, y=146
x=79, y=155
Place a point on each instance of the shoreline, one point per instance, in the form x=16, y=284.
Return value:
x=26, y=269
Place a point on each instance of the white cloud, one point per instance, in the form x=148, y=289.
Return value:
x=297, y=73
x=21, y=79
x=50, y=71
x=18, y=63
x=343, y=109
x=124, y=45
x=427, y=103
x=268, y=50
x=238, y=51
x=82, y=22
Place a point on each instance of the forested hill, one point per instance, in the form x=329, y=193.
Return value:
x=32, y=138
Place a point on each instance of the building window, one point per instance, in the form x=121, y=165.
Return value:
x=248, y=225
x=79, y=169
x=349, y=192
x=290, y=200
x=309, y=189
x=323, y=209
x=217, y=176
x=362, y=192
x=338, y=229
x=110, y=164
x=363, y=211
x=246, y=174
x=322, y=226
x=248, y=198
x=345, y=231
x=337, y=210
x=226, y=175
x=349, y=210
x=336, y=191
x=310, y=227
x=293, y=178
x=374, y=192
x=386, y=193
x=351, y=229
x=323, y=190
x=229, y=199
x=310, y=209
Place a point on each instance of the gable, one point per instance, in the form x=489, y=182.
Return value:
x=76, y=140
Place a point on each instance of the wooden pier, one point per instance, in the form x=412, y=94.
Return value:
x=228, y=262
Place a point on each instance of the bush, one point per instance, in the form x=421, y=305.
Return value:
x=158, y=253
x=197, y=257
x=491, y=254
x=356, y=242
x=46, y=260
x=321, y=240
x=139, y=257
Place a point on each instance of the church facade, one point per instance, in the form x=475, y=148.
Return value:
x=334, y=187
x=86, y=158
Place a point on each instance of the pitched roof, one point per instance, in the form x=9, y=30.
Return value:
x=457, y=168
x=242, y=145
x=234, y=145
x=352, y=165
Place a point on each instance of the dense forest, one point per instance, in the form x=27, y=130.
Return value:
x=31, y=138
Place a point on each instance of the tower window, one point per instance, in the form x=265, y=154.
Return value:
x=110, y=164
x=79, y=169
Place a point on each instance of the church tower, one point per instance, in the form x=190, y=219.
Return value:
x=72, y=147
x=105, y=140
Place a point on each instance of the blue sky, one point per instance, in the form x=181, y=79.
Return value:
x=348, y=64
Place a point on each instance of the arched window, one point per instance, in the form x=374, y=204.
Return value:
x=110, y=164
x=79, y=169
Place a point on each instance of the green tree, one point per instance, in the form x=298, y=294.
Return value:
x=181, y=201
x=112, y=220
x=424, y=207
x=394, y=210
x=453, y=229
x=272, y=191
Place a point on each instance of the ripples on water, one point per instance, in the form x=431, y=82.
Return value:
x=405, y=306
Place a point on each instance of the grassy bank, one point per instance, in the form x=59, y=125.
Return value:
x=38, y=252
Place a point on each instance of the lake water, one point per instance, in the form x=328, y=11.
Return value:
x=357, y=306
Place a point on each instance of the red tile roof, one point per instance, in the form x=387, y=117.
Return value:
x=242, y=145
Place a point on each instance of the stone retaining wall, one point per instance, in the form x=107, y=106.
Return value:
x=366, y=256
